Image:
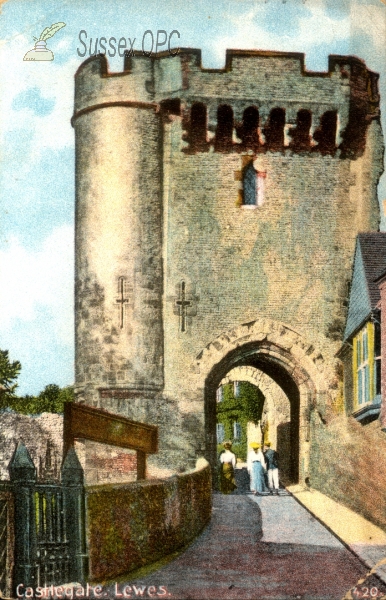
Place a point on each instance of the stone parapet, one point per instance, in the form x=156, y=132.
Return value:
x=133, y=525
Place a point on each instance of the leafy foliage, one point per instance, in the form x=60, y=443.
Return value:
x=51, y=399
x=246, y=408
x=9, y=372
x=253, y=399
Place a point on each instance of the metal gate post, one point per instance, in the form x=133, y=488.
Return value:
x=22, y=473
x=74, y=515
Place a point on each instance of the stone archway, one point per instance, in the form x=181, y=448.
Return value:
x=276, y=415
x=282, y=353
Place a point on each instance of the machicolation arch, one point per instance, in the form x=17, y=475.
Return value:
x=276, y=134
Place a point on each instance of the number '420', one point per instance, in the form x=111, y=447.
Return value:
x=366, y=592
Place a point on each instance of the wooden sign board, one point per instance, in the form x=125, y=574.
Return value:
x=86, y=422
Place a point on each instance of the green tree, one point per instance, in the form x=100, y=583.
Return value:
x=9, y=372
x=23, y=405
x=52, y=398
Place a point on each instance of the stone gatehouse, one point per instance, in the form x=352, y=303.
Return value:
x=216, y=217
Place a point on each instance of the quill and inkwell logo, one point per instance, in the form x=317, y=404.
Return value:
x=41, y=52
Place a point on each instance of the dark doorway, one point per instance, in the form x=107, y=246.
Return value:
x=287, y=436
x=284, y=447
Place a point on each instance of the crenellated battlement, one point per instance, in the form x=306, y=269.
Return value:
x=259, y=101
x=190, y=60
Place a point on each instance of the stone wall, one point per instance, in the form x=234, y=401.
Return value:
x=118, y=283
x=130, y=526
x=349, y=465
x=268, y=79
x=37, y=433
x=288, y=260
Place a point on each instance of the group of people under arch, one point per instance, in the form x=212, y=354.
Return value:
x=262, y=466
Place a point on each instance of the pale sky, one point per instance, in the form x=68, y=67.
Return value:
x=37, y=145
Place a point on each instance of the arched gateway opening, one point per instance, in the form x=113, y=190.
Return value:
x=254, y=355
x=289, y=360
x=252, y=407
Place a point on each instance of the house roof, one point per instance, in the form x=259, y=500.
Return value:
x=369, y=264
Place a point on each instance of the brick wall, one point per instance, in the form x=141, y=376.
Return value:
x=107, y=464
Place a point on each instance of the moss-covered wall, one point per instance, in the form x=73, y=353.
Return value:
x=129, y=526
x=349, y=465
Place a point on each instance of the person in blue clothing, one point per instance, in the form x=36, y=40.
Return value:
x=256, y=469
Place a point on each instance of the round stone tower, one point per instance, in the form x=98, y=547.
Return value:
x=118, y=288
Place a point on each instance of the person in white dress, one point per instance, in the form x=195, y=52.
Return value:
x=256, y=468
x=227, y=469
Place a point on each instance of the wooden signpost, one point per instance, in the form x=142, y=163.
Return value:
x=85, y=422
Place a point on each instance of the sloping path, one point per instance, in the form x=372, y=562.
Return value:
x=364, y=538
x=266, y=547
